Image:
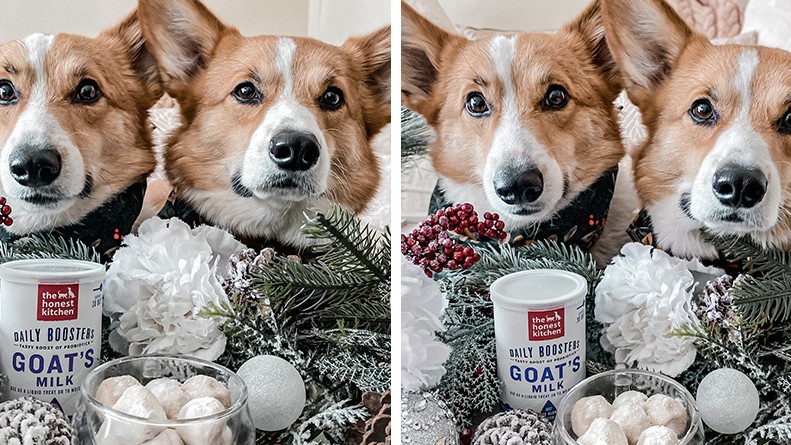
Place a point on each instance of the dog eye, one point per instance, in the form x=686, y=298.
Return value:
x=331, y=100
x=87, y=92
x=702, y=112
x=8, y=94
x=477, y=105
x=784, y=125
x=555, y=98
x=246, y=93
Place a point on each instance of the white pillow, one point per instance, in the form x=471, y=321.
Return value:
x=770, y=18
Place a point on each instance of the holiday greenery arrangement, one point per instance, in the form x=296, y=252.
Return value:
x=743, y=323
x=325, y=314
x=328, y=316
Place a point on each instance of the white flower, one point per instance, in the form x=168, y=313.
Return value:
x=644, y=296
x=157, y=284
x=422, y=355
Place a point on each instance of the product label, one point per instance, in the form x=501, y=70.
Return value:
x=545, y=325
x=540, y=355
x=58, y=302
x=51, y=336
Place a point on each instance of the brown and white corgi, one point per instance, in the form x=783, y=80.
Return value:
x=719, y=122
x=74, y=131
x=271, y=126
x=524, y=122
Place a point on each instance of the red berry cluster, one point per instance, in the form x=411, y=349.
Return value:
x=432, y=247
x=5, y=211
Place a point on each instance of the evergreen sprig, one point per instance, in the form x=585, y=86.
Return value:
x=416, y=136
x=769, y=263
x=339, y=413
x=348, y=280
x=766, y=298
x=329, y=317
x=47, y=246
x=346, y=245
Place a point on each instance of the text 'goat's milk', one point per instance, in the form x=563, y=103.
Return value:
x=50, y=327
x=539, y=324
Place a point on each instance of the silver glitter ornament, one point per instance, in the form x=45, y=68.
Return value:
x=728, y=401
x=514, y=428
x=426, y=420
x=276, y=392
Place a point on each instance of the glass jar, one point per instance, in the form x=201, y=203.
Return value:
x=610, y=384
x=98, y=424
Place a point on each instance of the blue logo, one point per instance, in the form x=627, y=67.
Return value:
x=56, y=404
x=549, y=411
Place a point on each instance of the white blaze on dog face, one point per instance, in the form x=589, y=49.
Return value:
x=272, y=125
x=739, y=163
x=40, y=167
x=287, y=121
x=520, y=177
x=524, y=122
x=73, y=129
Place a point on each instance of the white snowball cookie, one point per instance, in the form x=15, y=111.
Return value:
x=586, y=410
x=170, y=396
x=205, y=386
x=603, y=432
x=728, y=401
x=136, y=401
x=276, y=392
x=629, y=397
x=111, y=389
x=658, y=435
x=208, y=432
x=632, y=419
x=667, y=411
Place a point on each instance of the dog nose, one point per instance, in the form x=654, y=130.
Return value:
x=295, y=151
x=35, y=167
x=737, y=186
x=522, y=188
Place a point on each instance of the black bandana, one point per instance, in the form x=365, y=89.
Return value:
x=641, y=230
x=104, y=228
x=178, y=208
x=580, y=223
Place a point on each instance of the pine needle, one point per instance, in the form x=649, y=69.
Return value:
x=416, y=136
x=47, y=246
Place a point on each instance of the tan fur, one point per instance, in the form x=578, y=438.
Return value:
x=217, y=129
x=680, y=67
x=439, y=69
x=113, y=135
x=586, y=129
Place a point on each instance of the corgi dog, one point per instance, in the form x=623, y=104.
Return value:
x=524, y=122
x=271, y=126
x=74, y=133
x=718, y=152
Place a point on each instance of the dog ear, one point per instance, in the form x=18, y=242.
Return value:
x=422, y=44
x=181, y=35
x=129, y=38
x=590, y=26
x=646, y=38
x=372, y=53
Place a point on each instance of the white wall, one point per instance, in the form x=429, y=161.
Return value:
x=335, y=20
x=514, y=15
x=331, y=20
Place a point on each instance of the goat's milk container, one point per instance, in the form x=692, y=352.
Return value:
x=50, y=328
x=539, y=324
